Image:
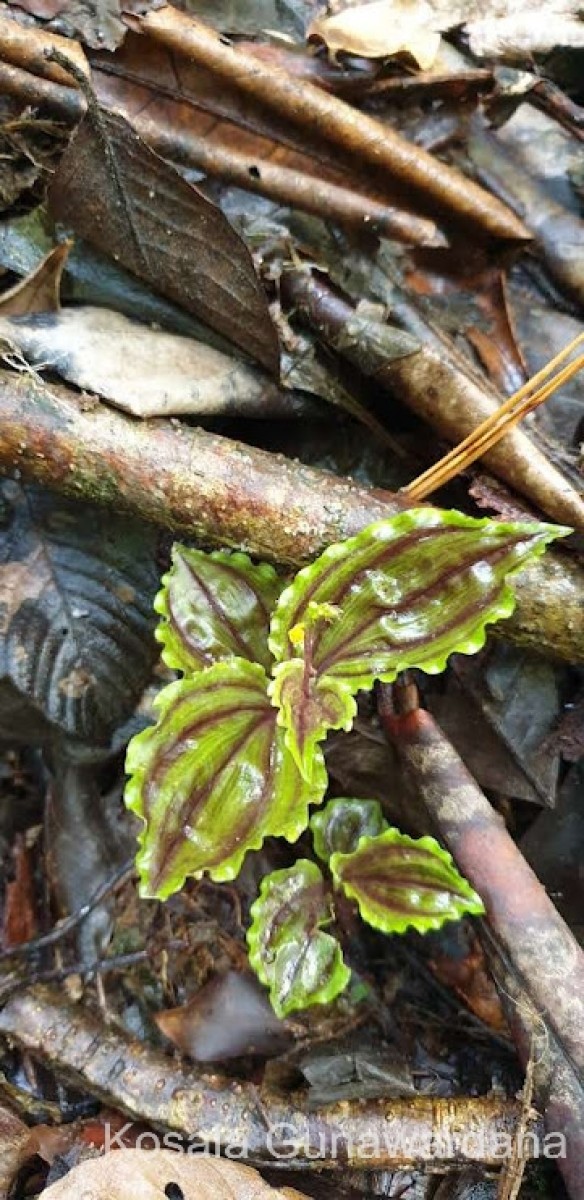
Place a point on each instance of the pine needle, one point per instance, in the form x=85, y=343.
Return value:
x=486, y=435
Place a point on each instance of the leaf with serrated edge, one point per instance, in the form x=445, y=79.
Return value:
x=403, y=883
x=288, y=949
x=307, y=710
x=215, y=607
x=213, y=778
x=338, y=826
x=403, y=593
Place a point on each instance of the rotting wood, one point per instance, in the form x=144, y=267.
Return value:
x=219, y=491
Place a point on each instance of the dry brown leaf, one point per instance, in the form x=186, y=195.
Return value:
x=381, y=29
x=148, y=1175
x=230, y=1016
x=144, y=371
x=39, y=291
x=126, y=200
x=505, y=30
x=146, y=81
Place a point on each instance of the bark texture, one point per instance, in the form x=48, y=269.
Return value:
x=225, y=493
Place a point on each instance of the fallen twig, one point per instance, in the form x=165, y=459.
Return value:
x=26, y=48
x=330, y=201
x=353, y=132
x=558, y=1092
x=544, y=957
x=540, y=946
x=436, y=388
x=66, y=102
x=211, y=488
x=72, y=922
x=488, y=434
x=148, y=1086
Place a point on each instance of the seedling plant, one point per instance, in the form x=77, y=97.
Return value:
x=268, y=668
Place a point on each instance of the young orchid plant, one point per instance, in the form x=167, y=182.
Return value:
x=267, y=670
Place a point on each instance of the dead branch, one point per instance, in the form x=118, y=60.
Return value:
x=543, y=951
x=378, y=1135
x=67, y=103
x=330, y=201
x=558, y=1092
x=208, y=487
x=454, y=402
x=546, y=965
x=353, y=132
x=26, y=48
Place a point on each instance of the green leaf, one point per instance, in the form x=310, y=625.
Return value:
x=288, y=950
x=308, y=709
x=213, y=778
x=401, y=882
x=338, y=827
x=404, y=593
x=214, y=607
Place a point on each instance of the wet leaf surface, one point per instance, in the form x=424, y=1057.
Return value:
x=76, y=627
x=214, y=778
x=215, y=607
x=519, y=696
x=400, y=882
x=341, y=823
x=403, y=593
x=289, y=949
x=182, y=245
